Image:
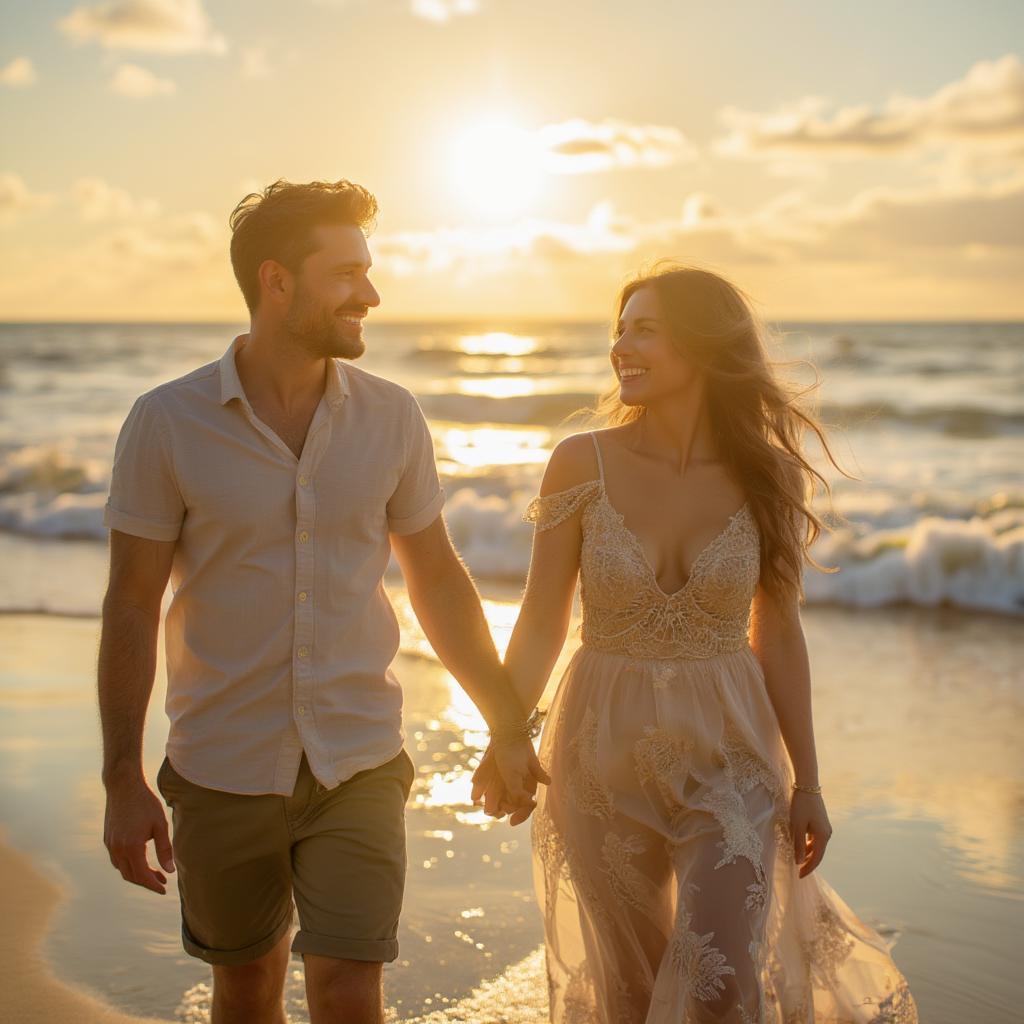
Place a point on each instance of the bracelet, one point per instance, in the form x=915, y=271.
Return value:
x=526, y=730
x=535, y=723
x=816, y=790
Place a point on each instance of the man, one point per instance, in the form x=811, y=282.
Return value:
x=270, y=486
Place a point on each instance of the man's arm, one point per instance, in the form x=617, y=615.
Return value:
x=139, y=570
x=448, y=608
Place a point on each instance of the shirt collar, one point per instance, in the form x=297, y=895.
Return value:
x=231, y=385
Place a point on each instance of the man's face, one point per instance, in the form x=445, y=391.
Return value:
x=332, y=294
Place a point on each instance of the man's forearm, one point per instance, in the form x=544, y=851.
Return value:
x=127, y=665
x=452, y=618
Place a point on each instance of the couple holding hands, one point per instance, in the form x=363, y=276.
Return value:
x=677, y=817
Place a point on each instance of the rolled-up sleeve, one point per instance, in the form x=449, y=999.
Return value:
x=418, y=498
x=144, y=497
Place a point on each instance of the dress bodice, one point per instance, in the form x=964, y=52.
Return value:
x=625, y=611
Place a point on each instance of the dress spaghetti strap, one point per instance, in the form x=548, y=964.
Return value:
x=600, y=463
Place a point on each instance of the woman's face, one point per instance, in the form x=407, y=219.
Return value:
x=649, y=367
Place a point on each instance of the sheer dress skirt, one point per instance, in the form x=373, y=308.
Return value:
x=664, y=864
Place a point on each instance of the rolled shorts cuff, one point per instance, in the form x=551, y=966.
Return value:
x=376, y=951
x=234, y=957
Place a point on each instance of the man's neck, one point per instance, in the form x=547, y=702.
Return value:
x=272, y=368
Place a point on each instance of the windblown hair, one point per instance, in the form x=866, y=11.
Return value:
x=757, y=420
x=277, y=224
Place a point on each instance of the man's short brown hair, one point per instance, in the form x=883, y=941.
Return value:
x=277, y=224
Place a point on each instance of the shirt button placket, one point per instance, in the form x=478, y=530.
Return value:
x=302, y=689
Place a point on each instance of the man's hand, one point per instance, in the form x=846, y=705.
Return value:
x=133, y=817
x=507, y=779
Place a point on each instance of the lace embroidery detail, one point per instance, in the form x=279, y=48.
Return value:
x=661, y=757
x=896, y=1008
x=624, y=609
x=561, y=862
x=743, y=767
x=590, y=795
x=829, y=947
x=625, y=881
x=579, y=997
x=700, y=964
x=551, y=509
x=739, y=839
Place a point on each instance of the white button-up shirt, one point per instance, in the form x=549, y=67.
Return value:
x=280, y=636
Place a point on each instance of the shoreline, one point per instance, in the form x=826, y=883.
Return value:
x=33, y=992
x=914, y=713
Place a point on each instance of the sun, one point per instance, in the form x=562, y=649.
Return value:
x=497, y=167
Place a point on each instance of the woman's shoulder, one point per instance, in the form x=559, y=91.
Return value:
x=573, y=463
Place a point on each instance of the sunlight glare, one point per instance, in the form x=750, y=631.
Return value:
x=497, y=167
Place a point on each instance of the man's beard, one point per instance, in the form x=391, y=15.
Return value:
x=319, y=332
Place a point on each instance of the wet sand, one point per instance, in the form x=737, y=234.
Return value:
x=917, y=725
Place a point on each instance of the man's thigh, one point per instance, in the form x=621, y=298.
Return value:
x=349, y=865
x=232, y=855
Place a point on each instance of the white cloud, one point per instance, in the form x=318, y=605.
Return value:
x=139, y=83
x=98, y=200
x=579, y=146
x=19, y=74
x=443, y=10
x=984, y=108
x=16, y=198
x=157, y=26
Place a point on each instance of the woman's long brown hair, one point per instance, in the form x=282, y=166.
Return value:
x=757, y=419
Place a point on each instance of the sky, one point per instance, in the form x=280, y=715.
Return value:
x=835, y=160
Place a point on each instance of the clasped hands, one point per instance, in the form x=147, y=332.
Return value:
x=505, y=781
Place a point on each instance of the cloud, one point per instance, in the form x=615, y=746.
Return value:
x=156, y=26
x=443, y=10
x=900, y=224
x=97, y=201
x=984, y=108
x=19, y=74
x=139, y=83
x=254, y=62
x=579, y=146
x=701, y=231
x=16, y=198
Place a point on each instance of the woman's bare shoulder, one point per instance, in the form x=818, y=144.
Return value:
x=573, y=462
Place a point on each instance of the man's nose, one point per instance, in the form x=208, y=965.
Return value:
x=368, y=294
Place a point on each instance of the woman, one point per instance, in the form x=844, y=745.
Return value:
x=674, y=850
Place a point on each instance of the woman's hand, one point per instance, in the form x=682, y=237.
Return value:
x=811, y=829
x=490, y=791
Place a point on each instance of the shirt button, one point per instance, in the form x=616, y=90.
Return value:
x=301, y=709
x=302, y=596
x=303, y=537
x=303, y=652
x=303, y=480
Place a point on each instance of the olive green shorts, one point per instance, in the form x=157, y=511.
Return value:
x=337, y=854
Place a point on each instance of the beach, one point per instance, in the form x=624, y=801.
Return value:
x=916, y=714
x=915, y=642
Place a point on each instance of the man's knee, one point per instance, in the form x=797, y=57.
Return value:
x=345, y=989
x=257, y=985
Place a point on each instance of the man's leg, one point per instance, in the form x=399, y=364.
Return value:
x=252, y=993
x=348, y=872
x=233, y=855
x=343, y=991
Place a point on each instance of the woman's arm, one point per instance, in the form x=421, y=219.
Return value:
x=546, y=609
x=777, y=639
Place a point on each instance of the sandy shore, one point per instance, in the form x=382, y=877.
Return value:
x=916, y=717
x=32, y=994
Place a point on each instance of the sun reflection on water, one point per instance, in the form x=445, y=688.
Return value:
x=498, y=343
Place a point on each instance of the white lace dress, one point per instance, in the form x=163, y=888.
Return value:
x=662, y=855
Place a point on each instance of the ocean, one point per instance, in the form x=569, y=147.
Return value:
x=916, y=707
x=929, y=416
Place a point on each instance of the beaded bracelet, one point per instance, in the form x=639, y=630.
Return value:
x=816, y=790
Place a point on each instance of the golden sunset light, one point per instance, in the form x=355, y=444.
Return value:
x=511, y=511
